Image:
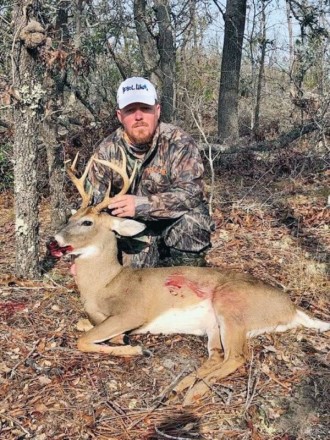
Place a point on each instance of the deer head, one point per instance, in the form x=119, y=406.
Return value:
x=88, y=226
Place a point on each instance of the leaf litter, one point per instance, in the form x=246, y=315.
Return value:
x=278, y=232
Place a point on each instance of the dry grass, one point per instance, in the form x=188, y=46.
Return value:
x=271, y=223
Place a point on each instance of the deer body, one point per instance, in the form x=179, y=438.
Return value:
x=227, y=306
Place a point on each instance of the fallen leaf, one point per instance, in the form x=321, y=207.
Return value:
x=44, y=380
x=4, y=368
x=40, y=407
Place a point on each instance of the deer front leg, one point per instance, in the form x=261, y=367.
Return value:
x=83, y=325
x=110, y=329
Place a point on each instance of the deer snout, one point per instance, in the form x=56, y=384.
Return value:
x=60, y=240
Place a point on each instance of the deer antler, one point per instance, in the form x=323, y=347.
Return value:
x=80, y=182
x=120, y=170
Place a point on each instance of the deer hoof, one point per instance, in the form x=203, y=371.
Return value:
x=195, y=393
x=147, y=353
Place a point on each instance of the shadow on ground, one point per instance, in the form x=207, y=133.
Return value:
x=183, y=426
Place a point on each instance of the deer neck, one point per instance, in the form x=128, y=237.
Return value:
x=97, y=266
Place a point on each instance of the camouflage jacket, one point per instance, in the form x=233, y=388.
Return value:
x=168, y=184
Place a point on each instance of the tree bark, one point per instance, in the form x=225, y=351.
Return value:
x=166, y=50
x=260, y=80
x=230, y=70
x=27, y=120
x=157, y=52
x=147, y=42
x=56, y=176
x=54, y=84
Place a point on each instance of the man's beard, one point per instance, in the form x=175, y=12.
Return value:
x=141, y=135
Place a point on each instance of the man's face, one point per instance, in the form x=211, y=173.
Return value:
x=139, y=121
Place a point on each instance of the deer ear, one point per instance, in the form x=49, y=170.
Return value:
x=127, y=227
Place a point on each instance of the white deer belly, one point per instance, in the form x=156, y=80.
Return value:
x=193, y=320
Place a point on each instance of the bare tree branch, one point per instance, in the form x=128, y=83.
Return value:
x=222, y=12
x=282, y=141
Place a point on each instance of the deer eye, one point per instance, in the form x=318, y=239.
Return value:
x=86, y=223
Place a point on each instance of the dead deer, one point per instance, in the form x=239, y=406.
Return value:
x=227, y=306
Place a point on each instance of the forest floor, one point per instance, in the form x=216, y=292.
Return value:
x=272, y=220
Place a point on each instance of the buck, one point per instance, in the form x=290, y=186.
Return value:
x=227, y=306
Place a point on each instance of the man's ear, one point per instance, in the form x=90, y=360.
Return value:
x=119, y=116
x=127, y=227
x=158, y=110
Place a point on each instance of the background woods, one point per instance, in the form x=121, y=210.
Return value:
x=255, y=70
x=250, y=81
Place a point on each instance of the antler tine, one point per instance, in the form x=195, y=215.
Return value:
x=74, y=163
x=123, y=173
x=130, y=180
x=80, y=182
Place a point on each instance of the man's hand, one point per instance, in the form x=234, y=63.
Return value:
x=123, y=206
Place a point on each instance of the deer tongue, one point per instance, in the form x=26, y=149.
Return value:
x=56, y=250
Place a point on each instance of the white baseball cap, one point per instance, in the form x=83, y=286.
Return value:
x=136, y=89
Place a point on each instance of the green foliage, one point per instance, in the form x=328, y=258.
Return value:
x=6, y=167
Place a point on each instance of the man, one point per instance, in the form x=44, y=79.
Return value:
x=167, y=191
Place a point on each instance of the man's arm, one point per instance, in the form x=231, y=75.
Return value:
x=185, y=191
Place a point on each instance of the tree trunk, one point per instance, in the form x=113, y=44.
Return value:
x=260, y=80
x=157, y=52
x=55, y=84
x=55, y=159
x=27, y=120
x=230, y=70
x=166, y=50
x=146, y=42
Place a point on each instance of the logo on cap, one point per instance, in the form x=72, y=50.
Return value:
x=136, y=89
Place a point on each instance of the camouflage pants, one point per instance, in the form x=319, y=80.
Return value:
x=181, y=258
x=157, y=254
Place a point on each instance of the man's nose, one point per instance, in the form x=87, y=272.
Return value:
x=138, y=114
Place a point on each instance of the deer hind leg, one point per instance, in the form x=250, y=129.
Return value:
x=214, y=360
x=110, y=329
x=235, y=347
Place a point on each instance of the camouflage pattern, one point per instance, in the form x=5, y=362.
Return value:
x=170, y=194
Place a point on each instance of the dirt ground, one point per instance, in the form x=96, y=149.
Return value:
x=272, y=220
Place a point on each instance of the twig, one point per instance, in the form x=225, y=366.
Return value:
x=208, y=156
x=4, y=20
x=287, y=387
x=120, y=412
x=252, y=385
x=159, y=398
x=23, y=360
x=16, y=422
x=54, y=282
x=171, y=386
x=256, y=183
x=170, y=436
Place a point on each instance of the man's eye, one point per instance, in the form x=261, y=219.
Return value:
x=86, y=223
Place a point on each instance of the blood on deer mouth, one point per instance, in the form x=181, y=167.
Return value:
x=56, y=250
